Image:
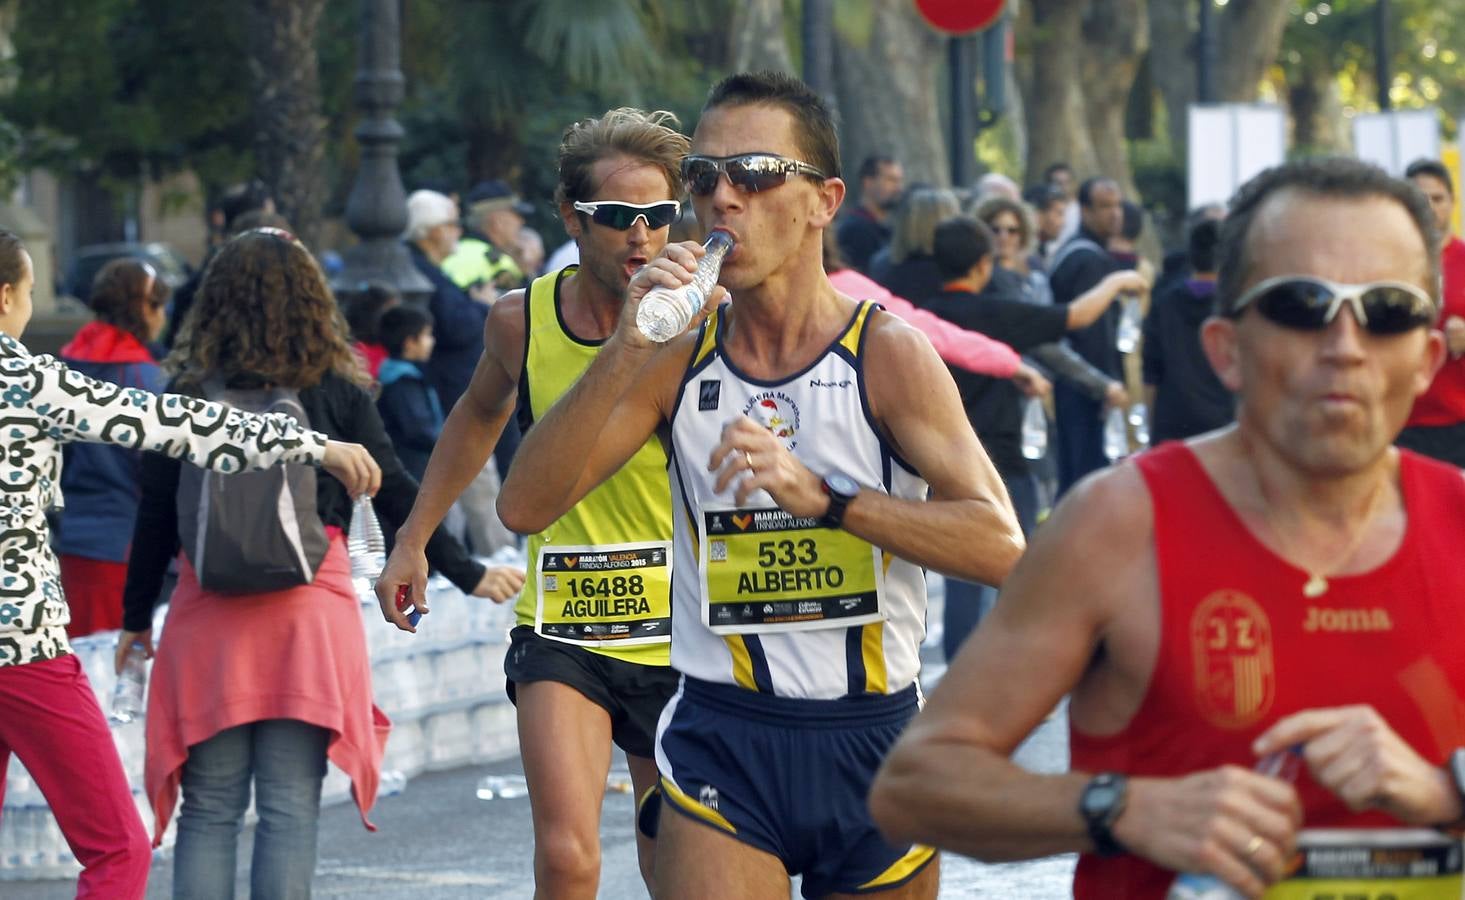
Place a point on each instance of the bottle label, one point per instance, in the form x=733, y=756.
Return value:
x=607, y=595
x=763, y=570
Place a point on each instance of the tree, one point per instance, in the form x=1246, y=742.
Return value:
x=1051, y=49
x=1248, y=35
x=887, y=61
x=1116, y=36
x=289, y=126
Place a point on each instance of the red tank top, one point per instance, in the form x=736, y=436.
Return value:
x=1241, y=647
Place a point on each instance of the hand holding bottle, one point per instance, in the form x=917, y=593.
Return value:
x=676, y=289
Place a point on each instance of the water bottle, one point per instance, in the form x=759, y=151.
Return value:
x=1283, y=764
x=131, y=687
x=1126, y=338
x=364, y=541
x=1116, y=435
x=666, y=312
x=1034, y=429
x=1139, y=419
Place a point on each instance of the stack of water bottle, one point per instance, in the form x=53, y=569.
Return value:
x=443, y=689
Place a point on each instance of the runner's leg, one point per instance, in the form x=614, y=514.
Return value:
x=697, y=860
x=643, y=777
x=564, y=742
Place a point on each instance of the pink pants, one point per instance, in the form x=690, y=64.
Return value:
x=49, y=717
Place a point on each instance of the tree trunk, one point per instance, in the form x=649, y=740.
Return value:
x=1249, y=34
x=758, y=39
x=1316, y=111
x=1117, y=35
x=1056, y=126
x=289, y=143
x=1173, y=52
x=887, y=91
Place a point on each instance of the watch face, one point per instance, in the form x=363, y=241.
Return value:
x=1099, y=797
x=843, y=485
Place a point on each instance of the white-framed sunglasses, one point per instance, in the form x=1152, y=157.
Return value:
x=621, y=216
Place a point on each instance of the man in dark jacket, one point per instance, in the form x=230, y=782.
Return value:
x=1079, y=265
x=1184, y=395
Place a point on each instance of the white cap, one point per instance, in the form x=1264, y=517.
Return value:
x=426, y=209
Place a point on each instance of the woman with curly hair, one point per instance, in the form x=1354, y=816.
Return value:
x=49, y=716
x=263, y=688
x=100, y=483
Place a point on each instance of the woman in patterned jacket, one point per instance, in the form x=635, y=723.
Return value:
x=261, y=689
x=49, y=716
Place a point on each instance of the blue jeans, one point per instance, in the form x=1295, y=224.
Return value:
x=286, y=760
x=966, y=601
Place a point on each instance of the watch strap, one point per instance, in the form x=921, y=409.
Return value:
x=1100, y=819
x=838, y=503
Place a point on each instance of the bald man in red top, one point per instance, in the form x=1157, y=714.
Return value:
x=1274, y=584
x=1436, y=427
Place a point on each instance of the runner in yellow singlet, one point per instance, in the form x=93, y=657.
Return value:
x=588, y=659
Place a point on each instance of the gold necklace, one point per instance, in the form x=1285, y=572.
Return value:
x=1317, y=582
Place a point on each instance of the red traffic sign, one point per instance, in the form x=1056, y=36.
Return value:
x=959, y=17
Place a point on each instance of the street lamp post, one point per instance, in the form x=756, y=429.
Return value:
x=376, y=210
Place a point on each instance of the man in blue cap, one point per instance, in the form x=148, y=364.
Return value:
x=484, y=262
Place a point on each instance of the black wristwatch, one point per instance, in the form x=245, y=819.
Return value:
x=841, y=490
x=1101, y=804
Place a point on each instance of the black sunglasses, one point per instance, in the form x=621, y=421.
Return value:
x=750, y=172
x=1311, y=304
x=622, y=216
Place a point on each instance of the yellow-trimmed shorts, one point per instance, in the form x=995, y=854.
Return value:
x=789, y=777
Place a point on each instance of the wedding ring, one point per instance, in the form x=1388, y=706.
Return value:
x=1253, y=845
x=748, y=458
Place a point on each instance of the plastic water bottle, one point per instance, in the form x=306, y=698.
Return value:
x=364, y=541
x=1139, y=419
x=666, y=312
x=131, y=687
x=1034, y=429
x=1283, y=764
x=1126, y=338
x=1116, y=435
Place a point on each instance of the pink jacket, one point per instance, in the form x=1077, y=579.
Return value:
x=971, y=350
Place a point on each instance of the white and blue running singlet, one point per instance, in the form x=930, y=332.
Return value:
x=777, y=604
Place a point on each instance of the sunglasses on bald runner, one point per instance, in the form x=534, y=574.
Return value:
x=1311, y=304
x=622, y=216
x=749, y=172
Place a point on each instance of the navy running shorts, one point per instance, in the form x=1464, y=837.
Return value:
x=789, y=777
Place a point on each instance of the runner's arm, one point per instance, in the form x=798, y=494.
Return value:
x=615, y=406
x=949, y=780
x=1068, y=605
x=967, y=528
x=590, y=432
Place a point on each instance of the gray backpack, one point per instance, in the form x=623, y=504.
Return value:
x=252, y=532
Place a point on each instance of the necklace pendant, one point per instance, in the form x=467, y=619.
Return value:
x=1316, y=586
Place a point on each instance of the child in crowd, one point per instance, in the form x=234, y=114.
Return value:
x=409, y=406
x=363, y=316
